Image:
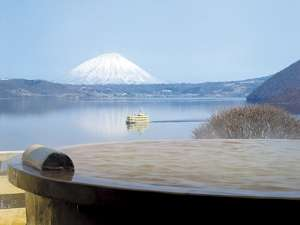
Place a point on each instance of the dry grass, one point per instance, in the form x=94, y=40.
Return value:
x=8, y=188
x=12, y=216
x=255, y=121
x=6, y=156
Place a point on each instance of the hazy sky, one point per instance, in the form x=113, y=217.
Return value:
x=187, y=40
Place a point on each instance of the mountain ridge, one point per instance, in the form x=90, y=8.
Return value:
x=282, y=88
x=15, y=88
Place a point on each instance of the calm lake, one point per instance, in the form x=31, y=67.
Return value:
x=57, y=122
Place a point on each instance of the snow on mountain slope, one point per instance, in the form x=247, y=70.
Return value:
x=110, y=68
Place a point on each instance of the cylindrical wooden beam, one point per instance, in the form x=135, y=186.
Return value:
x=43, y=158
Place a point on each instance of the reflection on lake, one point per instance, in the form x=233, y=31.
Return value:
x=137, y=127
x=57, y=122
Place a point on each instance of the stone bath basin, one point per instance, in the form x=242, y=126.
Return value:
x=170, y=180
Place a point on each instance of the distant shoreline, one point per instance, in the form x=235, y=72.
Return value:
x=38, y=88
x=127, y=98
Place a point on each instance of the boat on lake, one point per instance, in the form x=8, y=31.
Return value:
x=137, y=118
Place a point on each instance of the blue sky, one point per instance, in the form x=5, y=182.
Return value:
x=176, y=41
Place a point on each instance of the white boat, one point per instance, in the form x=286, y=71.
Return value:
x=137, y=118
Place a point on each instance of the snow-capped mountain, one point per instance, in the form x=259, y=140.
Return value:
x=110, y=68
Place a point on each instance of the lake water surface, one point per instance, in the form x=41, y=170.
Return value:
x=57, y=122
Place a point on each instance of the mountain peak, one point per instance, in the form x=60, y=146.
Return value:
x=110, y=68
